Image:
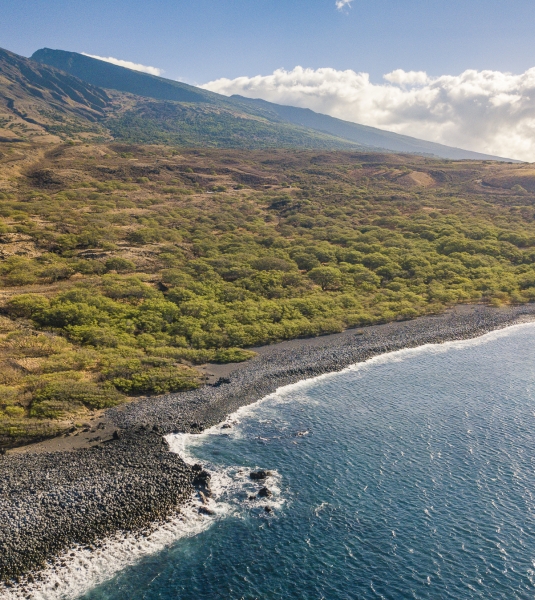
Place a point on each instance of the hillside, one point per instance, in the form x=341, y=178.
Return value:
x=107, y=75
x=370, y=137
x=37, y=100
x=125, y=266
x=240, y=117
x=41, y=102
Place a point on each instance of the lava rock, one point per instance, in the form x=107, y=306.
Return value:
x=265, y=493
x=259, y=474
x=204, y=510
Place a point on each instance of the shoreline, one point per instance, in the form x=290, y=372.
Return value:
x=51, y=499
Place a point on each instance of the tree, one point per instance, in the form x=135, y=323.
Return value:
x=329, y=278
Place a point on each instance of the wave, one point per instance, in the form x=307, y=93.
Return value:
x=79, y=570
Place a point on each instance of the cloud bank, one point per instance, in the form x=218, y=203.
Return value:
x=127, y=64
x=485, y=111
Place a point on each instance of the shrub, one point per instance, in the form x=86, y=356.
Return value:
x=68, y=314
x=271, y=263
x=56, y=272
x=26, y=305
x=75, y=359
x=329, y=278
x=14, y=411
x=21, y=276
x=59, y=398
x=131, y=287
x=121, y=265
x=8, y=395
x=143, y=236
x=306, y=262
x=99, y=336
x=158, y=380
x=231, y=355
x=28, y=343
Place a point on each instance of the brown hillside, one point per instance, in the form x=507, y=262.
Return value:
x=508, y=179
x=37, y=101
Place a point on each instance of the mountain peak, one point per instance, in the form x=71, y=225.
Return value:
x=107, y=75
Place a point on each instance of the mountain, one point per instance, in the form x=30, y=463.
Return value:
x=66, y=95
x=106, y=75
x=362, y=134
x=36, y=99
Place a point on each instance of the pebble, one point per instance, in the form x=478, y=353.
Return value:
x=51, y=502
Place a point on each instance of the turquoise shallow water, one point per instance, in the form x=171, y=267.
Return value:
x=411, y=476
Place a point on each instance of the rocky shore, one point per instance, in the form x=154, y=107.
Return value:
x=50, y=501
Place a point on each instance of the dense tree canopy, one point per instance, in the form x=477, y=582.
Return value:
x=137, y=263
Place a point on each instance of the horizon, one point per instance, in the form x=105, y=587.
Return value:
x=462, y=75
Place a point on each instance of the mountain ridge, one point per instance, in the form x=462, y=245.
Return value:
x=366, y=135
x=35, y=99
x=40, y=101
x=57, y=94
x=107, y=75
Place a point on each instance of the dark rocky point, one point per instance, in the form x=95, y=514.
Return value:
x=51, y=501
x=259, y=474
x=265, y=493
x=206, y=511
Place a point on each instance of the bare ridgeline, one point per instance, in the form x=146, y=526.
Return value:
x=52, y=501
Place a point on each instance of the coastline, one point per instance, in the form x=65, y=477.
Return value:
x=52, y=500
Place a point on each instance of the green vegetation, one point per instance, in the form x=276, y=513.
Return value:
x=159, y=110
x=124, y=266
x=213, y=126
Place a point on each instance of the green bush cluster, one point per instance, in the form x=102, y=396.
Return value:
x=186, y=266
x=46, y=377
x=60, y=399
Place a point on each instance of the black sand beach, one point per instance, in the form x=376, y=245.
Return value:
x=119, y=474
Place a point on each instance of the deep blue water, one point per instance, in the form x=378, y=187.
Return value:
x=411, y=476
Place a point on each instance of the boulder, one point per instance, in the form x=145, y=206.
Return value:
x=204, y=510
x=259, y=474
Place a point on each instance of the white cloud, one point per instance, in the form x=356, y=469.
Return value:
x=401, y=77
x=485, y=111
x=128, y=65
x=340, y=4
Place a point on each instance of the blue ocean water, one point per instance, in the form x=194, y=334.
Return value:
x=409, y=476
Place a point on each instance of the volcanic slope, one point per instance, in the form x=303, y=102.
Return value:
x=198, y=109
x=40, y=100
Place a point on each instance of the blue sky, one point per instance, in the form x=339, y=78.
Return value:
x=460, y=72
x=203, y=40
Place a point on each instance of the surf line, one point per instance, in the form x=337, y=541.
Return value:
x=87, y=569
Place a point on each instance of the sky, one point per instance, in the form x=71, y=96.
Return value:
x=457, y=72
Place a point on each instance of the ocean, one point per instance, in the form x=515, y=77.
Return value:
x=409, y=476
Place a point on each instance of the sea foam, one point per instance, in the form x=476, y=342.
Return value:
x=79, y=570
